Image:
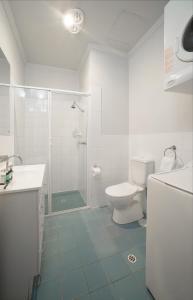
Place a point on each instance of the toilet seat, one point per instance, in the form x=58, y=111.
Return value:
x=122, y=190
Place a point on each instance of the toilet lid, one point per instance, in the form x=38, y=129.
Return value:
x=121, y=190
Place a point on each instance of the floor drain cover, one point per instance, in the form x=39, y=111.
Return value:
x=132, y=258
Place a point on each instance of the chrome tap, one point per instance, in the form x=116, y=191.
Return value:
x=3, y=158
x=6, y=158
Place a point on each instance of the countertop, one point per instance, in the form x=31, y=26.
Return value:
x=179, y=178
x=25, y=177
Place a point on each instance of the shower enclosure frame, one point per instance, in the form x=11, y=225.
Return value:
x=49, y=91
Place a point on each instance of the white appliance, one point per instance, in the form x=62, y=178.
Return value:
x=169, y=254
x=178, y=43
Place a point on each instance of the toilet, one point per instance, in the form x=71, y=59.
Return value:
x=125, y=198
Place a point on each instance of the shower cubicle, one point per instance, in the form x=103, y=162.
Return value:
x=50, y=127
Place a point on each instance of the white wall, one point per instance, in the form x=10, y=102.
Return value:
x=106, y=73
x=4, y=71
x=11, y=51
x=10, y=48
x=109, y=71
x=157, y=119
x=51, y=77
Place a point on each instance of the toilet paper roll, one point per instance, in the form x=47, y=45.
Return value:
x=96, y=171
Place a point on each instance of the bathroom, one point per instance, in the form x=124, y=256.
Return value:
x=89, y=111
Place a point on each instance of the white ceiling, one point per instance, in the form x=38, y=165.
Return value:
x=118, y=24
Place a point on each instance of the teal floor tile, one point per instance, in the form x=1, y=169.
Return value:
x=66, y=200
x=50, y=233
x=115, y=267
x=95, y=276
x=83, y=297
x=49, y=290
x=137, y=236
x=105, y=293
x=51, y=268
x=87, y=253
x=123, y=242
x=128, y=289
x=70, y=260
x=50, y=248
x=51, y=222
x=85, y=241
x=66, y=241
x=140, y=258
x=140, y=277
x=116, y=230
x=73, y=285
x=105, y=247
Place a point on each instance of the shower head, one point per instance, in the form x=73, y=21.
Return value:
x=75, y=105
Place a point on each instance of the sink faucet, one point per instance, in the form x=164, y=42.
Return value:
x=6, y=158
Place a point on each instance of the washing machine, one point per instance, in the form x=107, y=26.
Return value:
x=178, y=43
x=169, y=254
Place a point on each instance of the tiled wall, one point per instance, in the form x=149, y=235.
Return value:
x=153, y=145
x=31, y=128
x=109, y=152
x=82, y=148
x=105, y=75
x=65, y=149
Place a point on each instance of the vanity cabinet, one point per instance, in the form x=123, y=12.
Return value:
x=21, y=232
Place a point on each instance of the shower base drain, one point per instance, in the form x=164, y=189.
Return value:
x=132, y=258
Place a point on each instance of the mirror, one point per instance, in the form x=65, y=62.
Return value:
x=4, y=96
x=4, y=68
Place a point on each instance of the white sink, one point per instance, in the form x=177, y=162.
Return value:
x=25, y=177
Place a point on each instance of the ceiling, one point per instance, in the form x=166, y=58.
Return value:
x=116, y=24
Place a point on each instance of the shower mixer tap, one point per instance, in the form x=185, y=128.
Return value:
x=82, y=143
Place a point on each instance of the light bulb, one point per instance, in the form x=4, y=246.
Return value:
x=41, y=95
x=22, y=93
x=68, y=20
x=73, y=20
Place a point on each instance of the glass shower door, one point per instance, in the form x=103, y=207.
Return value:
x=68, y=148
x=31, y=130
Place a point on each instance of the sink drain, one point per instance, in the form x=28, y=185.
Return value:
x=132, y=258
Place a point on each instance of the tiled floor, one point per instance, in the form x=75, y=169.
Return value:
x=85, y=258
x=64, y=201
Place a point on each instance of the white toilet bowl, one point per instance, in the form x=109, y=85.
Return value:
x=126, y=208
x=125, y=198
